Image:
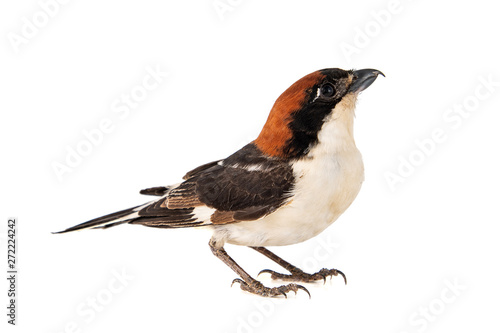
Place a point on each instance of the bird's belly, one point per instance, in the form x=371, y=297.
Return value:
x=324, y=190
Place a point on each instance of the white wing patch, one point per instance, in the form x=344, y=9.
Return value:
x=249, y=167
x=203, y=213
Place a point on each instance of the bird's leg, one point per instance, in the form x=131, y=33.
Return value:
x=247, y=282
x=296, y=273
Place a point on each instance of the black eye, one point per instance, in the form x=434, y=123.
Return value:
x=327, y=90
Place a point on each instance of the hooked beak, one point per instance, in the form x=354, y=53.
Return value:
x=363, y=78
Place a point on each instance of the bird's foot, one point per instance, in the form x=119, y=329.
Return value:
x=255, y=287
x=299, y=275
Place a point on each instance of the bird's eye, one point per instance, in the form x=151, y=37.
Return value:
x=327, y=90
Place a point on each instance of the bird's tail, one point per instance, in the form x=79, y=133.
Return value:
x=151, y=214
x=106, y=221
x=123, y=216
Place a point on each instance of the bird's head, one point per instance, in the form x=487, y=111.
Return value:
x=300, y=113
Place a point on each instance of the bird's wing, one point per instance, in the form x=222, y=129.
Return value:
x=244, y=187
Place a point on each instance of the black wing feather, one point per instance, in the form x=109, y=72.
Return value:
x=245, y=186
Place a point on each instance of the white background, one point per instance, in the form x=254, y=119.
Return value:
x=401, y=247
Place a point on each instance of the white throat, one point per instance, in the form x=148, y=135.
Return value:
x=336, y=134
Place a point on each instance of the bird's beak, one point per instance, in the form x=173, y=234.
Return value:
x=363, y=78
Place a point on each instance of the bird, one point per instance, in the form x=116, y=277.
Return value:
x=288, y=185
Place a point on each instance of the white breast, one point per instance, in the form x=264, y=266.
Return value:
x=327, y=180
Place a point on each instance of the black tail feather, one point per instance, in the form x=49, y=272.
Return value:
x=101, y=222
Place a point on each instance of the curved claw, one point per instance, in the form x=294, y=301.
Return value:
x=265, y=271
x=240, y=281
x=343, y=275
x=284, y=293
x=303, y=288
